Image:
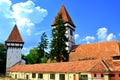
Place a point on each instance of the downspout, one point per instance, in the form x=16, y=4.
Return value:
x=68, y=75
x=48, y=76
x=24, y=75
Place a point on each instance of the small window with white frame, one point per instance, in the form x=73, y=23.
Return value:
x=52, y=76
x=33, y=75
x=40, y=75
x=62, y=77
x=27, y=77
x=15, y=76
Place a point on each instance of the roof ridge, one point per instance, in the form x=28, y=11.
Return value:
x=105, y=65
x=93, y=66
x=100, y=42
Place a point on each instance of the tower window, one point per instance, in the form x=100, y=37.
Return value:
x=71, y=32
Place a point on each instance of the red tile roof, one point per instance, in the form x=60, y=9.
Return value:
x=114, y=65
x=100, y=67
x=15, y=35
x=79, y=66
x=65, y=16
x=104, y=50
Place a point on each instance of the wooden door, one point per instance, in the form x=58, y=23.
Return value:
x=74, y=77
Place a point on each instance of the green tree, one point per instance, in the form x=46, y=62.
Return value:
x=58, y=44
x=3, y=53
x=43, y=45
x=44, y=60
x=32, y=57
x=38, y=54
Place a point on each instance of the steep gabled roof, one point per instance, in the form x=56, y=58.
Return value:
x=100, y=50
x=65, y=16
x=15, y=35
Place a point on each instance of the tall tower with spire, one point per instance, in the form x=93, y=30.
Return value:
x=14, y=45
x=70, y=27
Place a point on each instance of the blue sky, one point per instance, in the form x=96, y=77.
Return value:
x=95, y=20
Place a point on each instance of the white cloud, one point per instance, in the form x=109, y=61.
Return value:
x=27, y=14
x=103, y=35
x=5, y=18
x=24, y=14
x=5, y=8
x=89, y=39
x=76, y=36
x=110, y=37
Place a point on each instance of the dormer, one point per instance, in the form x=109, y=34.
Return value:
x=116, y=58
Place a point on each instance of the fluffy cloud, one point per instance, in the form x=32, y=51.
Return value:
x=5, y=18
x=24, y=14
x=76, y=36
x=110, y=37
x=103, y=35
x=89, y=39
x=5, y=8
x=27, y=15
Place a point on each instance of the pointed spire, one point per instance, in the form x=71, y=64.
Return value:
x=15, y=35
x=65, y=16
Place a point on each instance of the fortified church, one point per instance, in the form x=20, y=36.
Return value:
x=96, y=61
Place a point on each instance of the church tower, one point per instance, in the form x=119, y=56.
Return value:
x=70, y=27
x=14, y=45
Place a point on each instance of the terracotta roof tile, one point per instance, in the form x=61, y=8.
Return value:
x=114, y=65
x=100, y=66
x=15, y=35
x=79, y=66
x=65, y=16
x=97, y=65
x=104, y=50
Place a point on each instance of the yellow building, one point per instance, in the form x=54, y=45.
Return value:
x=79, y=70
